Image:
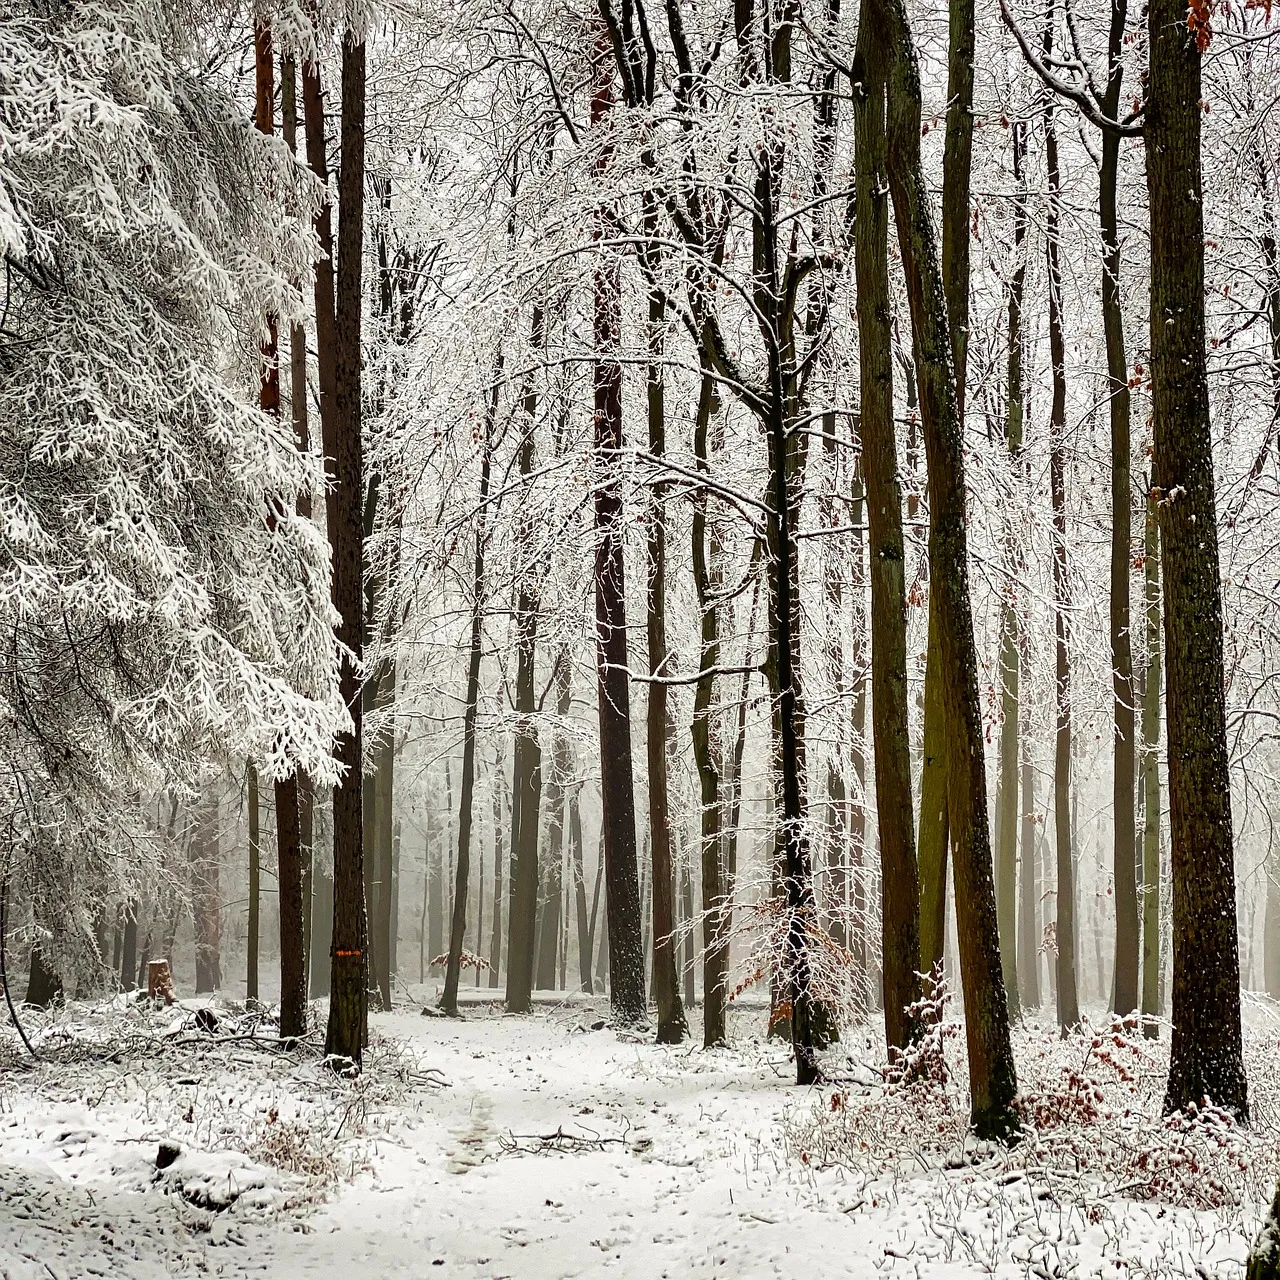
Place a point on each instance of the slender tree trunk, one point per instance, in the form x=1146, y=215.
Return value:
x=1010, y=637
x=1028, y=912
x=449, y=998
x=1063, y=808
x=495, y=939
x=579, y=891
x=993, y=1082
x=715, y=969
x=900, y=935
x=526, y=781
x=617, y=788
x=348, y=994
x=129, y=951
x=858, y=805
x=672, y=1026
x=957, y=168
x=1151, y=950
x=206, y=909
x=561, y=764
x=1206, y=1057
x=255, y=889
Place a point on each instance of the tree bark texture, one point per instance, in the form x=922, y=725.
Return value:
x=993, y=1082
x=1205, y=1059
x=900, y=920
x=1151, y=950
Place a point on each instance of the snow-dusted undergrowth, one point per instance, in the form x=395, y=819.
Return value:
x=1100, y=1180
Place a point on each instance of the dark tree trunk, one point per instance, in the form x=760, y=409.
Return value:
x=44, y=986
x=617, y=788
x=561, y=764
x=526, y=778
x=1205, y=1059
x=293, y=796
x=993, y=1082
x=900, y=932
x=348, y=985
x=1063, y=810
x=1151, y=949
x=1010, y=630
x=672, y=1027
x=1124, y=990
x=449, y=998
x=715, y=969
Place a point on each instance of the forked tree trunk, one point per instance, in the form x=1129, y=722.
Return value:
x=993, y=1082
x=617, y=787
x=1063, y=807
x=1151, y=949
x=348, y=995
x=1206, y=1056
x=900, y=931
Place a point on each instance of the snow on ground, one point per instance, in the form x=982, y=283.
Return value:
x=555, y=1148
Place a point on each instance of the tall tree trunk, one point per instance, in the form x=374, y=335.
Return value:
x=383, y=850
x=993, y=1082
x=1028, y=911
x=672, y=1026
x=1151, y=950
x=617, y=787
x=255, y=890
x=526, y=779
x=957, y=168
x=1205, y=1058
x=1124, y=991
x=1010, y=637
x=495, y=938
x=858, y=716
x=449, y=998
x=206, y=911
x=1063, y=808
x=715, y=968
x=900, y=932
x=295, y=795
x=348, y=987
x=579, y=891
x=557, y=807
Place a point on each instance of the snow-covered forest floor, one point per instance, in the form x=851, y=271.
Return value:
x=552, y=1146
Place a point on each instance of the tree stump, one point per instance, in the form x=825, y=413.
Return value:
x=160, y=981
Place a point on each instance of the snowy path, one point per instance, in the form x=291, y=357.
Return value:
x=691, y=1182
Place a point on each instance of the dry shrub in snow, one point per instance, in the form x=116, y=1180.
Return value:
x=1092, y=1123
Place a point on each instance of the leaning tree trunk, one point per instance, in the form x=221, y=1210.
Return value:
x=1206, y=1057
x=348, y=995
x=993, y=1081
x=617, y=787
x=1063, y=812
x=900, y=930
x=449, y=997
x=1151, y=951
